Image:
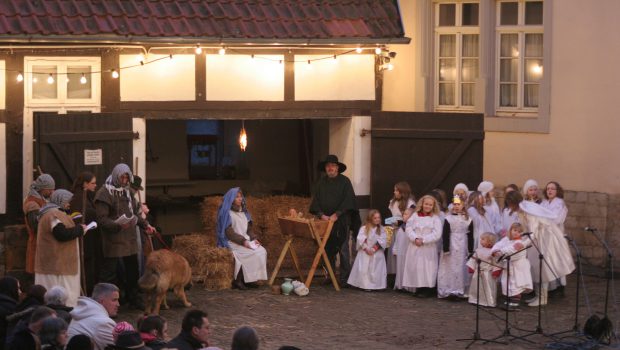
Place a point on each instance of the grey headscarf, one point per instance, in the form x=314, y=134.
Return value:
x=58, y=200
x=43, y=182
x=113, y=185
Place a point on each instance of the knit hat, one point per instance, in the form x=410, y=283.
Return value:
x=461, y=186
x=129, y=340
x=485, y=187
x=120, y=328
x=44, y=182
x=529, y=183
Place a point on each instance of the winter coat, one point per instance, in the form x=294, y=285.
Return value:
x=7, y=307
x=185, y=341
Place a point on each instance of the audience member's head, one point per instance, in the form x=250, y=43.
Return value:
x=9, y=286
x=196, y=324
x=37, y=292
x=38, y=315
x=80, y=342
x=129, y=340
x=154, y=325
x=107, y=295
x=53, y=332
x=57, y=295
x=245, y=338
x=121, y=327
x=288, y=347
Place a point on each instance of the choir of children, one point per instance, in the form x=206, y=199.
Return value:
x=432, y=250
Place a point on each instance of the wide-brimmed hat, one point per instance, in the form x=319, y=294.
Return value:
x=137, y=183
x=129, y=340
x=332, y=159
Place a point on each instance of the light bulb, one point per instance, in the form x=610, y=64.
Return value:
x=390, y=66
x=35, y=80
x=114, y=74
x=243, y=139
x=20, y=77
x=378, y=51
x=50, y=79
x=335, y=57
x=198, y=50
x=83, y=79
x=358, y=50
x=222, y=51
x=140, y=58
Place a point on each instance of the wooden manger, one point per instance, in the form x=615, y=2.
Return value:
x=317, y=230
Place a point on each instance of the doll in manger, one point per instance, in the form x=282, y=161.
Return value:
x=488, y=285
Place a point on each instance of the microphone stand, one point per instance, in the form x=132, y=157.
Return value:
x=575, y=328
x=476, y=335
x=609, y=257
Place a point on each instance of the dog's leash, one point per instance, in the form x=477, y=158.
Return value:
x=160, y=239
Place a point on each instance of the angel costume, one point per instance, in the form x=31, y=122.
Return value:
x=398, y=215
x=457, y=241
x=482, y=224
x=558, y=207
x=369, y=271
x=421, y=263
x=399, y=249
x=550, y=240
x=509, y=217
x=488, y=285
x=519, y=278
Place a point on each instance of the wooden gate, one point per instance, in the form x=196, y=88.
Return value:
x=66, y=144
x=428, y=150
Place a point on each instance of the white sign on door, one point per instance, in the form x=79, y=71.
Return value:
x=93, y=156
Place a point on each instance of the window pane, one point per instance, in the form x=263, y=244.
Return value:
x=447, y=15
x=446, y=94
x=470, y=14
x=534, y=12
x=470, y=45
x=509, y=13
x=447, y=69
x=530, y=95
x=42, y=86
x=533, y=45
x=508, y=69
x=79, y=82
x=467, y=94
x=447, y=45
x=469, y=70
x=533, y=70
x=508, y=95
x=509, y=45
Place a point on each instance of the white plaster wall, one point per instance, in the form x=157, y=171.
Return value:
x=3, y=84
x=581, y=150
x=241, y=78
x=165, y=80
x=139, y=151
x=349, y=77
x=2, y=168
x=353, y=150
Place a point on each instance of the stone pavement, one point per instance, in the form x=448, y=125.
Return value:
x=354, y=319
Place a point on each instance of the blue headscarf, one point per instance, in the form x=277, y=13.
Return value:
x=223, y=216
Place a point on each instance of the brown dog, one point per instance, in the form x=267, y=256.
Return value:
x=164, y=270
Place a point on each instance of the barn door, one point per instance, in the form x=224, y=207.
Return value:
x=428, y=150
x=66, y=144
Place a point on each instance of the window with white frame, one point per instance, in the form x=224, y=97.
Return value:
x=519, y=53
x=457, y=52
x=62, y=80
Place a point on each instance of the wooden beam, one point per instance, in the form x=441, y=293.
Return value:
x=98, y=136
x=427, y=134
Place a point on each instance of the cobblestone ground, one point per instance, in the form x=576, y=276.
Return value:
x=354, y=319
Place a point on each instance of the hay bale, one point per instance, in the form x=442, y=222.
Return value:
x=210, y=206
x=210, y=265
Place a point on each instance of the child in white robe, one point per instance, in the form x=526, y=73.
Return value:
x=399, y=250
x=457, y=242
x=510, y=213
x=490, y=205
x=518, y=279
x=369, y=270
x=488, y=285
x=481, y=218
x=402, y=199
x=422, y=257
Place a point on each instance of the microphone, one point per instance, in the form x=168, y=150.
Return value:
x=590, y=229
x=527, y=234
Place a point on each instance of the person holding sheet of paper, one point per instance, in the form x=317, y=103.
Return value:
x=234, y=231
x=57, y=261
x=114, y=200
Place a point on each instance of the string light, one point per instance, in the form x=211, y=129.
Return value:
x=359, y=50
x=222, y=50
x=20, y=77
x=35, y=80
x=82, y=79
x=50, y=79
x=140, y=58
x=198, y=49
x=114, y=74
x=378, y=51
x=252, y=56
x=335, y=57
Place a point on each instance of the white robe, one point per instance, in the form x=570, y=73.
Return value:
x=549, y=239
x=494, y=215
x=396, y=213
x=488, y=285
x=507, y=220
x=253, y=261
x=399, y=250
x=369, y=271
x=421, y=263
x=558, y=207
x=452, y=278
x=520, y=279
x=482, y=224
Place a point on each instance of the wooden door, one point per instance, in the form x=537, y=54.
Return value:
x=428, y=150
x=67, y=144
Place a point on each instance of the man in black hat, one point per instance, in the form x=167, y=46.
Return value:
x=333, y=199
